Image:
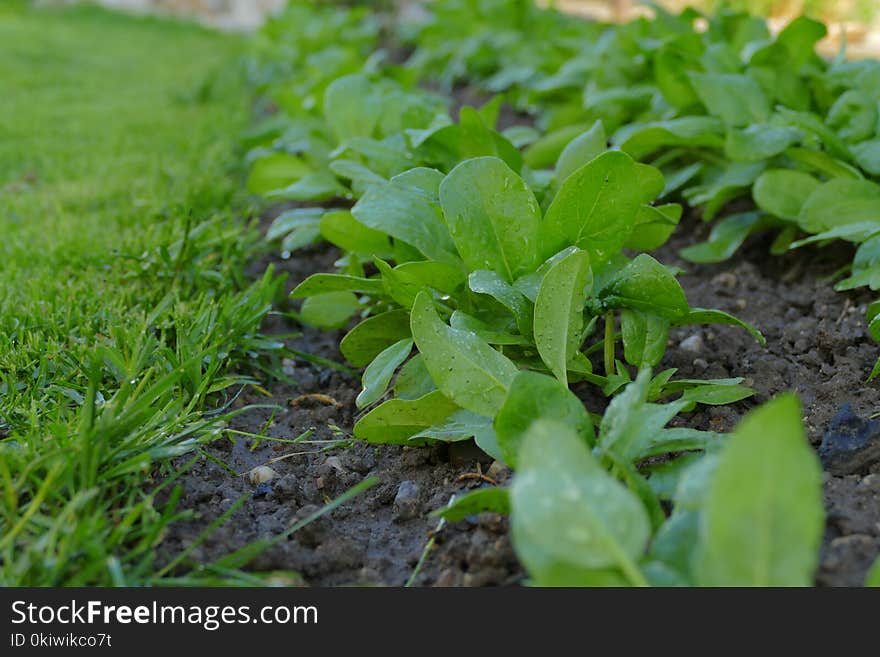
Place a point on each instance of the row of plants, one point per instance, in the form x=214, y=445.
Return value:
x=491, y=269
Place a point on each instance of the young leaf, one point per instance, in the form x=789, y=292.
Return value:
x=644, y=337
x=275, y=170
x=378, y=374
x=759, y=142
x=397, y=420
x=465, y=368
x=404, y=282
x=373, y=335
x=350, y=107
x=768, y=532
x=559, y=311
x=838, y=202
x=413, y=380
x=726, y=237
x=735, y=99
x=566, y=510
x=330, y=310
x=533, y=396
x=343, y=230
x=594, y=210
x=493, y=217
x=640, y=140
x=581, y=150
x=409, y=213
x=704, y=316
x=494, y=500
x=324, y=283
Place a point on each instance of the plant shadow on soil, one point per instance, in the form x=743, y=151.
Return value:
x=818, y=346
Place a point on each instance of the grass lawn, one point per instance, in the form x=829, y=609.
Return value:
x=122, y=302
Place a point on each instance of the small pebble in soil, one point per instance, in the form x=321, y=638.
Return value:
x=286, y=487
x=693, y=343
x=406, y=502
x=336, y=464
x=851, y=444
x=263, y=489
x=261, y=474
x=700, y=364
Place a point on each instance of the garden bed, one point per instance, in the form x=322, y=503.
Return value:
x=817, y=345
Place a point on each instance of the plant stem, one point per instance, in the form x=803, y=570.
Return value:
x=609, y=343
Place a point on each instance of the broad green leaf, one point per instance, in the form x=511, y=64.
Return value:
x=408, y=213
x=800, y=37
x=735, y=99
x=542, y=153
x=594, y=210
x=318, y=186
x=640, y=140
x=725, y=238
x=646, y=285
x=717, y=395
x=492, y=216
x=397, y=420
x=759, y=142
x=650, y=181
x=466, y=369
x=343, y=230
x=653, y=226
x=674, y=542
x=532, y=397
x=567, y=510
x=350, y=107
x=867, y=155
x=378, y=374
x=482, y=500
x=275, y=170
x=838, y=202
x=782, y=192
x=671, y=65
x=413, y=380
x=763, y=519
x=644, y=337
x=373, y=335
x=581, y=150
x=324, y=283
x=853, y=116
x=559, y=311
x=329, y=310
x=405, y=281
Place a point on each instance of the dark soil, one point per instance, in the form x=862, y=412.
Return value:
x=817, y=343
